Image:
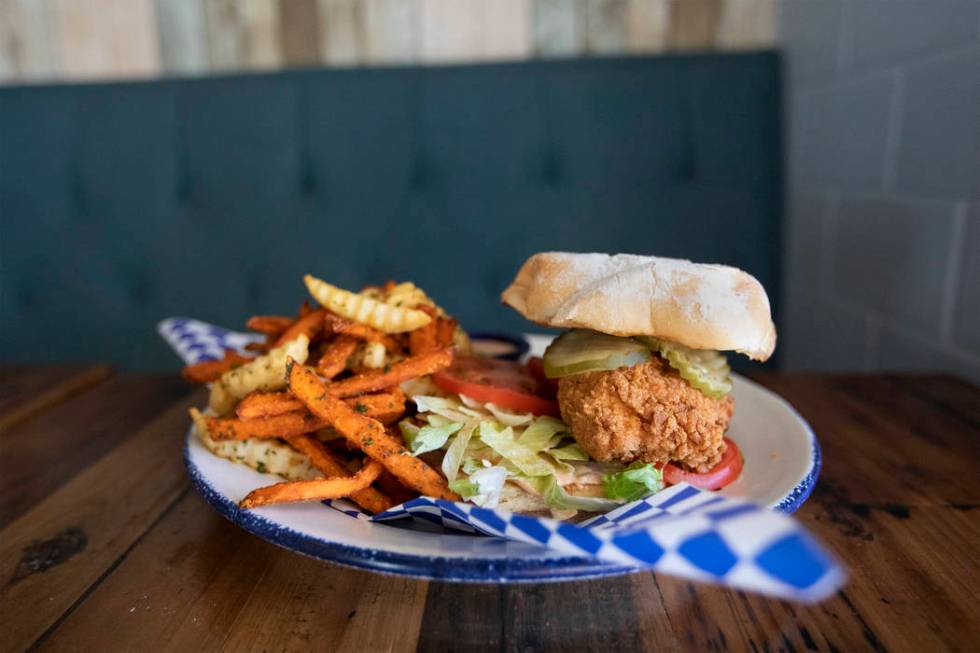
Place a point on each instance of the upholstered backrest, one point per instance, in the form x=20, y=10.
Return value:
x=125, y=203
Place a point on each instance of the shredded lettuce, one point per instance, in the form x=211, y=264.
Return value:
x=524, y=458
x=568, y=452
x=427, y=438
x=454, y=454
x=483, y=487
x=634, y=482
x=540, y=433
x=556, y=497
x=473, y=464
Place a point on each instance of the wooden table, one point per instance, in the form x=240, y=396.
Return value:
x=105, y=545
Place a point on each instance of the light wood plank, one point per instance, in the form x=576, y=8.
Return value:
x=343, y=32
x=693, y=24
x=28, y=41
x=605, y=31
x=242, y=34
x=472, y=30
x=107, y=38
x=299, y=21
x=183, y=36
x=450, y=30
x=505, y=29
x=559, y=28
x=746, y=24
x=392, y=31
x=647, y=25
x=101, y=512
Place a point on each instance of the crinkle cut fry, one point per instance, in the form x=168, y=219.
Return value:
x=404, y=370
x=317, y=489
x=367, y=434
x=372, y=500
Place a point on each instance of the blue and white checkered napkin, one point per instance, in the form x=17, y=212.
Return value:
x=682, y=530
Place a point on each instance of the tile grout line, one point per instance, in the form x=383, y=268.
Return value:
x=948, y=306
x=893, y=130
x=50, y=630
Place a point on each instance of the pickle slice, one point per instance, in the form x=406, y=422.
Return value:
x=579, y=350
x=705, y=369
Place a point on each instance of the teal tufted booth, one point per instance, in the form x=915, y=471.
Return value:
x=125, y=203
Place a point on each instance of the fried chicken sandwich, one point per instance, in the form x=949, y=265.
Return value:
x=641, y=376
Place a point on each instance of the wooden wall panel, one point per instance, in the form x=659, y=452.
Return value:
x=28, y=41
x=392, y=30
x=68, y=39
x=647, y=25
x=605, y=26
x=342, y=31
x=183, y=36
x=693, y=24
x=107, y=38
x=299, y=25
x=242, y=34
x=559, y=27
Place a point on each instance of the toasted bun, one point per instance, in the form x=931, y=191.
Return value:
x=696, y=305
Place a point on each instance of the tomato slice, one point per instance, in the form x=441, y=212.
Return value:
x=491, y=380
x=548, y=388
x=726, y=471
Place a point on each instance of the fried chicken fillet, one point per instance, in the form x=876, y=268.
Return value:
x=646, y=412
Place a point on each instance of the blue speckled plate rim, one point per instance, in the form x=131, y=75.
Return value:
x=442, y=568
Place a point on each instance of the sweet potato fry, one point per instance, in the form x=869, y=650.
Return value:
x=395, y=374
x=367, y=434
x=445, y=331
x=334, y=359
x=392, y=487
x=361, y=332
x=327, y=462
x=271, y=325
x=314, y=490
x=278, y=426
x=260, y=347
x=209, y=371
x=423, y=339
x=386, y=407
x=311, y=324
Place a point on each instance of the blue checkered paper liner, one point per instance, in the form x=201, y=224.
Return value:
x=682, y=530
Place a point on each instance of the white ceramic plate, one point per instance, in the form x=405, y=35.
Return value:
x=782, y=460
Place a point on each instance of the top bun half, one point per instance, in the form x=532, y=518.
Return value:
x=693, y=304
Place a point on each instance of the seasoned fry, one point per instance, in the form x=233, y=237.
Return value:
x=334, y=359
x=393, y=488
x=446, y=331
x=277, y=426
x=309, y=325
x=362, y=332
x=260, y=347
x=265, y=455
x=270, y=325
x=314, y=490
x=398, y=372
x=423, y=339
x=367, y=434
x=208, y=371
x=386, y=407
x=266, y=372
x=361, y=308
x=327, y=462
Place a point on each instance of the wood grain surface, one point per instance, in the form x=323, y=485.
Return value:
x=105, y=545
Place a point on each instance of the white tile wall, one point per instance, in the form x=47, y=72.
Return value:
x=883, y=136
